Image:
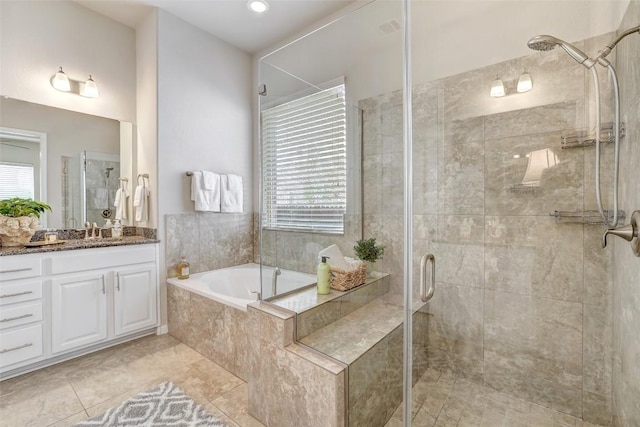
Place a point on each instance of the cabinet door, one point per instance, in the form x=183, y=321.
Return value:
x=135, y=298
x=78, y=311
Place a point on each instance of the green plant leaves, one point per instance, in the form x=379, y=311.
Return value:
x=17, y=207
x=367, y=250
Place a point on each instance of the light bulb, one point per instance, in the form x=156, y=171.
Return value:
x=90, y=89
x=497, y=88
x=60, y=81
x=258, y=6
x=524, y=83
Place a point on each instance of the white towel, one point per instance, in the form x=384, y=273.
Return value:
x=231, y=193
x=206, y=200
x=210, y=180
x=336, y=259
x=120, y=203
x=141, y=203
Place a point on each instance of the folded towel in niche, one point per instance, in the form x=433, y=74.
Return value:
x=206, y=200
x=231, y=193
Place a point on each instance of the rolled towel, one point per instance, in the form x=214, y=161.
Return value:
x=336, y=259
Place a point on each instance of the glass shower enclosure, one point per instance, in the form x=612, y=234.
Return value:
x=471, y=157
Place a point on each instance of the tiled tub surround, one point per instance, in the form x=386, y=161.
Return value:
x=290, y=384
x=215, y=330
x=210, y=241
x=523, y=304
x=363, y=330
x=298, y=251
x=626, y=267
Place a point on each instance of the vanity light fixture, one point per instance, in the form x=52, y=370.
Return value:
x=60, y=81
x=89, y=89
x=258, y=6
x=497, y=88
x=524, y=82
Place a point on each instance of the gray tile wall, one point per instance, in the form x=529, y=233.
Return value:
x=522, y=304
x=209, y=241
x=626, y=267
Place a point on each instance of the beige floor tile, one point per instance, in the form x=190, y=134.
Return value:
x=72, y=420
x=206, y=379
x=117, y=400
x=217, y=412
x=41, y=407
x=234, y=402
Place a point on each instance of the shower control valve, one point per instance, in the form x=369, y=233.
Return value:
x=628, y=232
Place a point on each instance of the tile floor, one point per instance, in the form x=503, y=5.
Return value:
x=441, y=400
x=69, y=392
x=64, y=394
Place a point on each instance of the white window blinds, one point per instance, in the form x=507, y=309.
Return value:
x=16, y=180
x=305, y=163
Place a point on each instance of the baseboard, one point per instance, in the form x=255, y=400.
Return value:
x=162, y=330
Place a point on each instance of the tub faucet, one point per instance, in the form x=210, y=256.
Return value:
x=274, y=281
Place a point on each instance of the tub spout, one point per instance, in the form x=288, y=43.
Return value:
x=274, y=281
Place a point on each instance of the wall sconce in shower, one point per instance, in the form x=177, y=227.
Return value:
x=88, y=88
x=497, y=88
x=524, y=82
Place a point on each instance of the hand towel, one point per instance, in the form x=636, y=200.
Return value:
x=206, y=200
x=141, y=203
x=120, y=203
x=336, y=259
x=231, y=193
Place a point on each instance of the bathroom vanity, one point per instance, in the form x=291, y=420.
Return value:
x=59, y=302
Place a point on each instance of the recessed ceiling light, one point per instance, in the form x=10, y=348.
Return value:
x=258, y=6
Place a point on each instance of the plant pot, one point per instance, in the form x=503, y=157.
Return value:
x=370, y=267
x=17, y=231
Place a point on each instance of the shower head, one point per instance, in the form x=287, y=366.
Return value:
x=546, y=42
x=108, y=172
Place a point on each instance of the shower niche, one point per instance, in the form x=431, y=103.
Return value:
x=89, y=184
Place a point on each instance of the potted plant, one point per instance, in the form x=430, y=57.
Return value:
x=19, y=220
x=369, y=252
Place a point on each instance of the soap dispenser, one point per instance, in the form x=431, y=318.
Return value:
x=324, y=277
x=116, y=231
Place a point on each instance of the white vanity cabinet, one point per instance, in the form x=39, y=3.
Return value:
x=62, y=304
x=78, y=311
x=134, y=299
x=21, y=311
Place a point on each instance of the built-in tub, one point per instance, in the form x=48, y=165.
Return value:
x=207, y=312
x=238, y=286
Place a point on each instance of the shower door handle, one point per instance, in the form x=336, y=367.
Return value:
x=426, y=295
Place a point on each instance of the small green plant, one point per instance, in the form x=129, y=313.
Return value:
x=367, y=250
x=17, y=207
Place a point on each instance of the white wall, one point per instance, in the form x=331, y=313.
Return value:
x=36, y=37
x=204, y=115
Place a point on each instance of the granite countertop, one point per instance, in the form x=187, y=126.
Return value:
x=74, y=244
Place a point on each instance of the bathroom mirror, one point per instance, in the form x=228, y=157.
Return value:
x=69, y=160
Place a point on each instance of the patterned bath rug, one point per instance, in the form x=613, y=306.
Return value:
x=163, y=406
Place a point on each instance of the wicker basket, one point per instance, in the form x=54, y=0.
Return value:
x=344, y=280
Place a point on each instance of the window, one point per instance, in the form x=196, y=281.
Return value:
x=16, y=180
x=305, y=163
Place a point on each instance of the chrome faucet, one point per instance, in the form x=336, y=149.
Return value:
x=274, y=281
x=71, y=220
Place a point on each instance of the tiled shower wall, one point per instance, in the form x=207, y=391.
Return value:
x=522, y=304
x=626, y=267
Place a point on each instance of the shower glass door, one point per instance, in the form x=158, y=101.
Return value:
x=519, y=327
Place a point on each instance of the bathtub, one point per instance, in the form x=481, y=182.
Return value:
x=235, y=286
